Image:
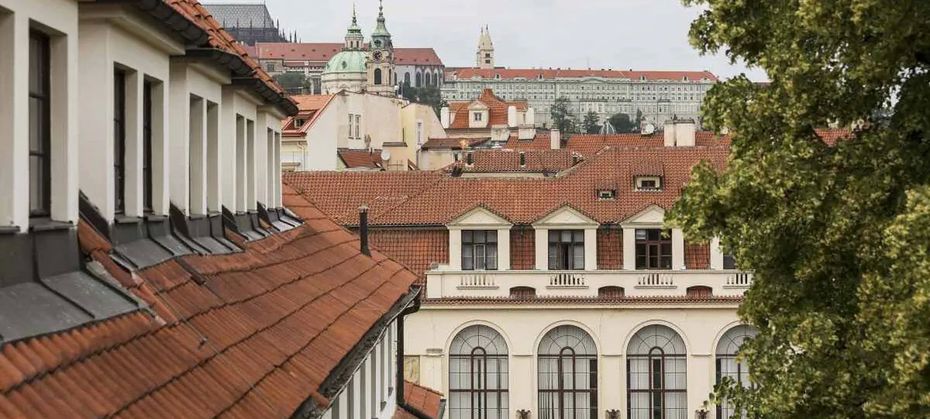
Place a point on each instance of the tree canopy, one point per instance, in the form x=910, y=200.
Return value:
x=563, y=119
x=622, y=122
x=427, y=95
x=836, y=233
x=294, y=83
x=590, y=123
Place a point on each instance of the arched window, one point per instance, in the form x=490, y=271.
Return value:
x=428, y=79
x=478, y=374
x=729, y=366
x=567, y=375
x=407, y=79
x=419, y=79
x=657, y=374
x=377, y=76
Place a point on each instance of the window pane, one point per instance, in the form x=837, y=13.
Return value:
x=578, y=262
x=492, y=256
x=566, y=236
x=479, y=236
x=467, y=258
x=467, y=236
x=553, y=236
x=492, y=236
x=578, y=236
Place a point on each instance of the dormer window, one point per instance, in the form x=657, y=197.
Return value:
x=522, y=159
x=606, y=194
x=648, y=183
x=299, y=123
x=477, y=116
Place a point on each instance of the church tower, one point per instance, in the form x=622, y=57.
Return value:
x=354, y=38
x=485, y=55
x=381, y=76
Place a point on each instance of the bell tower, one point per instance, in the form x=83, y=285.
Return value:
x=485, y=56
x=381, y=76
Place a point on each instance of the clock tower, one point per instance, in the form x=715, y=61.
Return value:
x=381, y=76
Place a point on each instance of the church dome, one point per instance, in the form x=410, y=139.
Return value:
x=347, y=62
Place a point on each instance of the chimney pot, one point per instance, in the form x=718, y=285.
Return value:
x=363, y=229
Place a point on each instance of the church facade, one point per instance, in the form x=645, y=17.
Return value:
x=361, y=68
x=656, y=96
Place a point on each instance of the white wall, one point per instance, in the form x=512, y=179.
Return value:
x=430, y=331
x=58, y=20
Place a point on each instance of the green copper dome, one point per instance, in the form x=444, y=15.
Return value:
x=347, y=62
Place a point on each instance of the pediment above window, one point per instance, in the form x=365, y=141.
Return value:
x=651, y=216
x=566, y=217
x=479, y=217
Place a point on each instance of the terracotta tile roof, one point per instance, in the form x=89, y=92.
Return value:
x=250, y=334
x=321, y=52
x=549, y=74
x=520, y=200
x=339, y=194
x=309, y=108
x=497, y=110
x=425, y=400
x=589, y=144
x=222, y=40
x=508, y=161
x=417, y=249
x=453, y=143
x=360, y=159
x=540, y=141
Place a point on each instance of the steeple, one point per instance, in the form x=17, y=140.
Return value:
x=380, y=28
x=354, y=37
x=485, y=56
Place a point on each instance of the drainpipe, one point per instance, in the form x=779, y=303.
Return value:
x=363, y=229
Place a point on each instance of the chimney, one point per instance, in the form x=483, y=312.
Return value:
x=684, y=133
x=511, y=116
x=363, y=229
x=669, y=131
x=444, y=117
x=555, y=139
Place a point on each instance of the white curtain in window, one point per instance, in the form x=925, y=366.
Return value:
x=478, y=374
x=657, y=374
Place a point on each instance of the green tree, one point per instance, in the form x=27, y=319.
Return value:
x=590, y=123
x=837, y=234
x=622, y=122
x=562, y=116
x=427, y=95
x=294, y=83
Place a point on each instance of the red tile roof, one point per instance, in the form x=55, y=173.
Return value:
x=589, y=144
x=497, y=110
x=197, y=14
x=435, y=199
x=508, y=161
x=453, y=143
x=423, y=399
x=549, y=74
x=360, y=159
x=417, y=249
x=309, y=108
x=321, y=52
x=250, y=334
x=540, y=141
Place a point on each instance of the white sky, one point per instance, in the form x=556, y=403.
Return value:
x=618, y=34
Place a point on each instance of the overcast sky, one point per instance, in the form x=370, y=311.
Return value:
x=618, y=34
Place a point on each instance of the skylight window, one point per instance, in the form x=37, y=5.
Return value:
x=606, y=194
x=648, y=183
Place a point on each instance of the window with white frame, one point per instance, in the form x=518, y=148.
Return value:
x=729, y=366
x=358, y=127
x=477, y=116
x=351, y=126
x=566, y=249
x=479, y=250
x=657, y=374
x=478, y=374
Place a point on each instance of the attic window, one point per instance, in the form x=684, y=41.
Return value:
x=522, y=159
x=497, y=77
x=469, y=159
x=648, y=183
x=299, y=122
x=606, y=194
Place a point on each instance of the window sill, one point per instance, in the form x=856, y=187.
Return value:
x=125, y=219
x=9, y=230
x=47, y=224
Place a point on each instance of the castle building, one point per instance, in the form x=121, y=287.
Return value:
x=655, y=95
x=359, y=69
x=248, y=23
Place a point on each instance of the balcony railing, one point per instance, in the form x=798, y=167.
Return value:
x=443, y=283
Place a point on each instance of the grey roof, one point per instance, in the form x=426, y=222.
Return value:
x=241, y=15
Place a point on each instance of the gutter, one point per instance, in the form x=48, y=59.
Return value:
x=343, y=372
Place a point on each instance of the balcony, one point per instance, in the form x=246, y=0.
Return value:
x=583, y=284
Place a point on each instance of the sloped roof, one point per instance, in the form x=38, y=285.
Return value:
x=508, y=161
x=241, y=15
x=550, y=74
x=360, y=159
x=323, y=51
x=250, y=334
x=540, y=141
x=423, y=399
x=339, y=194
x=452, y=143
x=590, y=144
x=309, y=108
x=497, y=109
x=520, y=200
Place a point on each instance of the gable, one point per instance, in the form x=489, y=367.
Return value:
x=479, y=217
x=566, y=216
x=477, y=106
x=652, y=215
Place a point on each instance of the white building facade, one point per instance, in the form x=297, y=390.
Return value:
x=657, y=95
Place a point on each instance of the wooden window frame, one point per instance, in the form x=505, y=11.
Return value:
x=565, y=252
x=484, y=249
x=119, y=141
x=653, y=253
x=40, y=126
